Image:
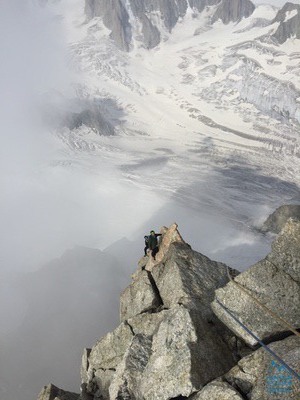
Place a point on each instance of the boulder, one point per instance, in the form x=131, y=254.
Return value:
x=52, y=392
x=139, y=297
x=276, y=221
x=217, y=390
x=146, y=323
x=275, y=282
x=181, y=357
x=99, y=363
x=129, y=374
x=109, y=351
x=259, y=376
x=186, y=354
x=187, y=277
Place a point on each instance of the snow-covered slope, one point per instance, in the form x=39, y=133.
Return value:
x=210, y=115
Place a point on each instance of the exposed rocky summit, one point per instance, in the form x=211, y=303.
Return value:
x=289, y=23
x=170, y=343
x=276, y=221
x=168, y=334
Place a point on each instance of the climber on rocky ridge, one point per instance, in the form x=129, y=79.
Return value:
x=153, y=243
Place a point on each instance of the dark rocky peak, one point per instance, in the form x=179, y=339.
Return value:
x=170, y=10
x=115, y=17
x=233, y=10
x=199, y=5
x=284, y=12
x=156, y=17
x=289, y=23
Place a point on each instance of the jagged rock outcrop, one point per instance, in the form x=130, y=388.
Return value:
x=115, y=17
x=233, y=10
x=169, y=343
x=276, y=221
x=182, y=341
x=259, y=376
x=172, y=346
x=289, y=23
x=274, y=281
x=52, y=392
x=139, y=297
x=148, y=21
x=91, y=118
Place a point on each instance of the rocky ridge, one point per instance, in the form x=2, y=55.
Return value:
x=171, y=345
x=288, y=19
x=148, y=21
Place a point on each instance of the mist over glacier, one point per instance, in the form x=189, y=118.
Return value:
x=65, y=186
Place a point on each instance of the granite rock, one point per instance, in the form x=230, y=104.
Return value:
x=217, y=390
x=259, y=376
x=275, y=282
x=276, y=221
x=140, y=296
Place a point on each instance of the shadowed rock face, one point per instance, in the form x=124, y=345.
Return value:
x=233, y=10
x=275, y=282
x=115, y=17
x=276, y=221
x=156, y=17
x=91, y=118
x=259, y=376
x=289, y=23
x=52, y=392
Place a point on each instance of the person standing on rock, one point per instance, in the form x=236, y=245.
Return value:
x=153, y=243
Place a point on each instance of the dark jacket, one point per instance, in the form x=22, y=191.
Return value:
x=153, y=242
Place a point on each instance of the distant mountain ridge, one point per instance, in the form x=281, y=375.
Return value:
x=151, y=17
x=147, y=19
x=289, y=23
